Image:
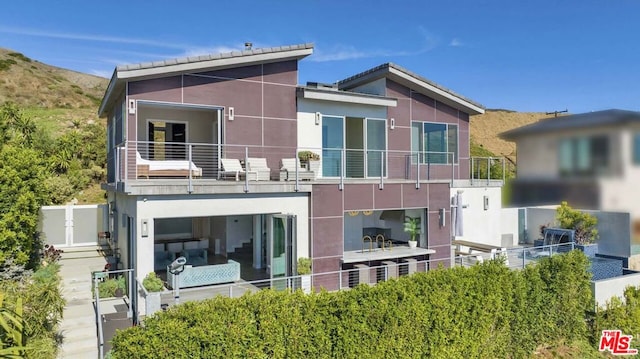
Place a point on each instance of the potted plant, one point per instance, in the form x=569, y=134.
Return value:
x=412, y=226
x=584, y=225
x=153, y=286
x=310, y=160
x=304, y=271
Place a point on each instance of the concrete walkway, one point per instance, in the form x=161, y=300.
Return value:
x=78, y=326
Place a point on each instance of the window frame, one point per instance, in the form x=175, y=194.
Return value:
x=447, y=135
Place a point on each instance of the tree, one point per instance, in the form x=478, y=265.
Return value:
x=583, y=223
x=22, y=193
x=15, y=127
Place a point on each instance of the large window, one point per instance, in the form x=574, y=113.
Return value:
x=583, y=156
x=434, y=142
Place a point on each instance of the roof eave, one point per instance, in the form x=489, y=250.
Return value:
x=393, y=72
x=435, y=92
x=347, y=97
x=221, y=63
x=107, y=93
x=124, y=75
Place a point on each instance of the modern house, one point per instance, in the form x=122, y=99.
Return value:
x=591, y=160
x=203, y=162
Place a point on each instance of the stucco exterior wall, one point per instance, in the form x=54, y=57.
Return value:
x=263, y=98
x=479, y=224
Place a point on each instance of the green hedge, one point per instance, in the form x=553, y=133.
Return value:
x=624, y=316
x=486, y=311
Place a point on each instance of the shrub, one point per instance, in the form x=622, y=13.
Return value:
x=19, y=56
x=583, y=223
x=51, y=255
x=153, y=283
x=486, y=311
x=304, y=266
x=112, y=287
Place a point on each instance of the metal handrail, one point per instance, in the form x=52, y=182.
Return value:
x=203, y=162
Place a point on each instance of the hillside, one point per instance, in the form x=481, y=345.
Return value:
x=30, y=83
x=485, y=129
x=60, y=102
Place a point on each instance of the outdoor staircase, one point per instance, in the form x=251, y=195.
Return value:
x=78, y=327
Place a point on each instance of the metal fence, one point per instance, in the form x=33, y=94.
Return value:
x=514, y=258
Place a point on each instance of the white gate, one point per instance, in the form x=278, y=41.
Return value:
x=73, y=225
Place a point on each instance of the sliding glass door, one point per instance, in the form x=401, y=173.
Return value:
x=283, y=249
x=363, y=141
x=376, y=140
x=167, y=140
x=332, y=145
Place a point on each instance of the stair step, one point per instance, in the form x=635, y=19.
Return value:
x=79, y=255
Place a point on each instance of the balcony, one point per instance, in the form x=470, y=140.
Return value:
x=143, y=167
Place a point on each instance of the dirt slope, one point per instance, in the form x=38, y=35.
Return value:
x=30, y=83
x=485, y=129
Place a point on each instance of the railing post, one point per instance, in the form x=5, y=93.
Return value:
x=488, y=169
x=190, y=185
x=98, y=317
x=381, y=185
x=297, y=188
x=342, y=167
x=524, y=257
x=417, y=169
x=117, y=165
x=132, y=291
x=472, y=174
x=246, y=172
x=453, y=167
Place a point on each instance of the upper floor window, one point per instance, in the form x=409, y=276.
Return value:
x=580, y=156
x=636, y=148
x=434, y=142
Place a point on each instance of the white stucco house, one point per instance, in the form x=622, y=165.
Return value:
x=591, y=160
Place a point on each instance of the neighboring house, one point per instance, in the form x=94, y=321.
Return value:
x=591, y=160
x=391, y=144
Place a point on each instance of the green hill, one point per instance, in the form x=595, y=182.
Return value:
x=56, y=100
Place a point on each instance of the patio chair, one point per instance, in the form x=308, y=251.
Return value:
x=231, y=168
x=289, y=167
x=259, y=165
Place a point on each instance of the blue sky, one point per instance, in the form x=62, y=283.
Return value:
x=524, y=56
